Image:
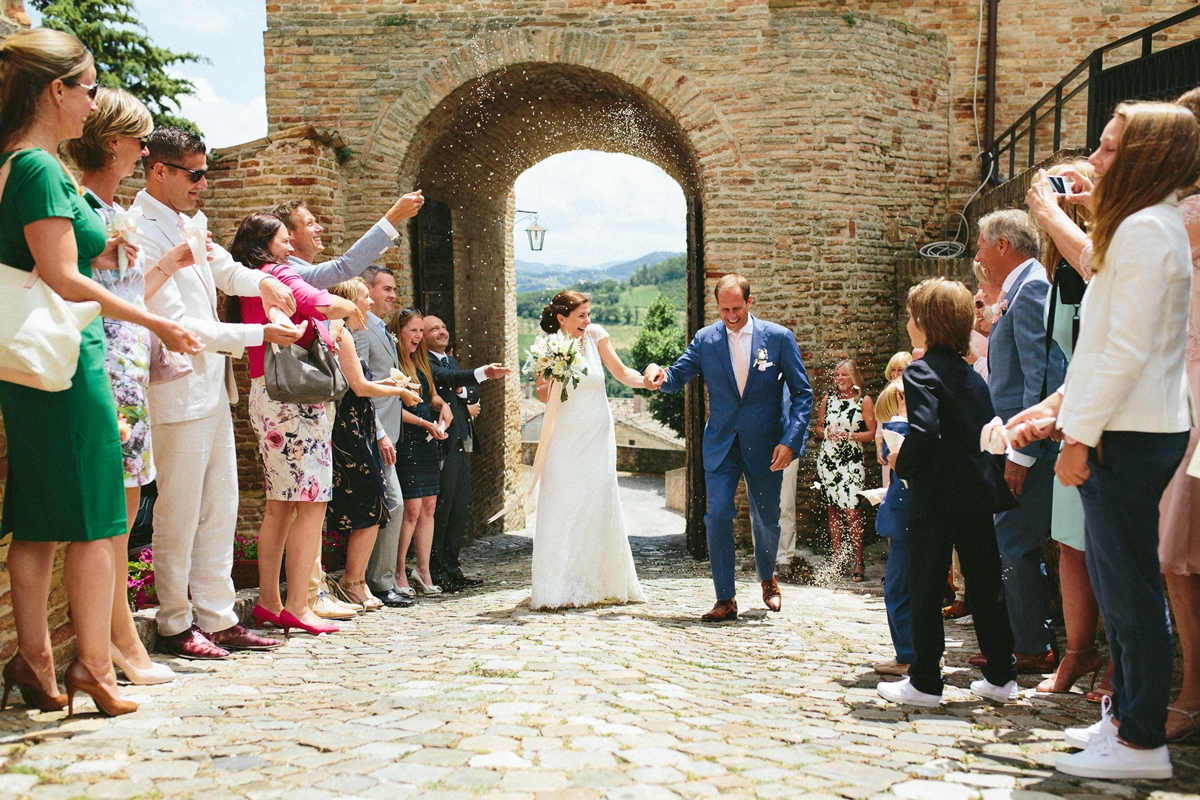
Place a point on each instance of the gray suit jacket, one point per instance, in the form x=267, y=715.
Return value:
x=1017, y=365
x=360, y=256
x=376, y=347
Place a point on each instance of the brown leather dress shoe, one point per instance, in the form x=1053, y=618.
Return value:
x=724, y=610
x=1040, y=663
x=238, y=638
x=191, y=644
x=956, y=610
x=771, y=595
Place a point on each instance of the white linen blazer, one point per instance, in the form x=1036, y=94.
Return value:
x=190, y=298
x=1127, y=373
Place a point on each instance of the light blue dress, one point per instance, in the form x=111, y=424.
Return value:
x=1066, y=520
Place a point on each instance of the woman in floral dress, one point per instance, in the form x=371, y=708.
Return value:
x=845, y=421
x=107, y=152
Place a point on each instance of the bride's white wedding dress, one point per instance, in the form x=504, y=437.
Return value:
x=581, y=553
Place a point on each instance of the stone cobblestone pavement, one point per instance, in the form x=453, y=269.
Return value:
x=474, y=694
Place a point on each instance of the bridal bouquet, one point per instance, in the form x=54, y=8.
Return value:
x=556, y=357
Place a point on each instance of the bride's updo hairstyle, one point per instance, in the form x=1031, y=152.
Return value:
x=563, y=303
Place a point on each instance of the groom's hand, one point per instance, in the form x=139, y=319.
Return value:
x=653, y=377
x=782, y=457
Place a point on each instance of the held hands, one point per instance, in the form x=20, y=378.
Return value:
x=781, y=457
x=653, y=378
x=494, y=371
x=406, y=207
x=275, y=295
x=387, y=451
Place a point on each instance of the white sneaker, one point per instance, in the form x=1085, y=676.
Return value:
x=990, y=691
x=1108, y=758
x=1082, y=737
x=903, y=692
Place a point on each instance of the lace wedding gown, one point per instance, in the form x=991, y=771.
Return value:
x=581, y=554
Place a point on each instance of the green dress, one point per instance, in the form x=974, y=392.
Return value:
x=1066, y=522
x=65, y=470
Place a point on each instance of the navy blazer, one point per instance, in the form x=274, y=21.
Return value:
x=948, y=405
x=1017, y=365
x=448, y=378
x=754, y=418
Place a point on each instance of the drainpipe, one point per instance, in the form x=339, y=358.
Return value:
x=989, y=114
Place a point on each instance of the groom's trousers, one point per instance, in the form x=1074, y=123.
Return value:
x=763, y=490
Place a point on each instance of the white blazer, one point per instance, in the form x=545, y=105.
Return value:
x=1127, y=373
x=190, y=298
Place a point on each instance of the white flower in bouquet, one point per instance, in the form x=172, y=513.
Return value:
x=555, y=357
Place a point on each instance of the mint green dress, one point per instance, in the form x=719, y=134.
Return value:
x=65, y=470
x=1066, y=518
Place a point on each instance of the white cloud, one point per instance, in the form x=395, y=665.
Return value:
x=600, y=207
x=223, y=121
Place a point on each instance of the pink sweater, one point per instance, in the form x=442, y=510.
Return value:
x=307, y=300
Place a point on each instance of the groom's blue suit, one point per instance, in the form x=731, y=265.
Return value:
x=741, y=435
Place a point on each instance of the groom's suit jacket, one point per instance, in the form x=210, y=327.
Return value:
x=754, y=418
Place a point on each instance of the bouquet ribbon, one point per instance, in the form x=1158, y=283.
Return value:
x=553, y=401
x=194, y=233
x=125, y=225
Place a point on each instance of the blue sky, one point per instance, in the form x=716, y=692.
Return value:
x=598, y=207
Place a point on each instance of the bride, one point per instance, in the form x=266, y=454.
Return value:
x=581, y=555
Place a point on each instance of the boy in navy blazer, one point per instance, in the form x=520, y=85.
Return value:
x=745, y=362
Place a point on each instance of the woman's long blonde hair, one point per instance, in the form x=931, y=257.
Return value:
x=419, y=360
x=1080, y=214
x=1158, y=153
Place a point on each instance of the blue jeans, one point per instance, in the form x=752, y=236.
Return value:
x=1120, y=506
x=721, y=485
x=895, y=597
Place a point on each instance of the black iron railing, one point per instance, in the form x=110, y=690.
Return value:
x=1151, y=76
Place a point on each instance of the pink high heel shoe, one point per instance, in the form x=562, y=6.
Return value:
x=287, y=621
x=262, y=618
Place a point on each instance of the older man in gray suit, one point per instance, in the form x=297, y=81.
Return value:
x=377, y=348
x=1020, y=375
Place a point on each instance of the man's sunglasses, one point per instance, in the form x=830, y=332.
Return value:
x=92, y=88
x=194, y=175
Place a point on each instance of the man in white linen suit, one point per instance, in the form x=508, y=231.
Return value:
x=196, y=512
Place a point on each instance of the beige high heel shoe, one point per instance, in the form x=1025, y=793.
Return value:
x=421, y=586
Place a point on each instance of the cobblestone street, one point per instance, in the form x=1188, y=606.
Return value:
x=474, y=694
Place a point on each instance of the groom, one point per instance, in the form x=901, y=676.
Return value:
x=745, y=362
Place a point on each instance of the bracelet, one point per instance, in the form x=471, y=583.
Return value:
x=163, y=271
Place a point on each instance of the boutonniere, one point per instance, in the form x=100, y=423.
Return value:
x=760, y=360
x=1002, y=307
x=395, y=341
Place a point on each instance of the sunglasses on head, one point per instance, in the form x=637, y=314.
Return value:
x=404, y=312
x=194, y=175
x=92, y=88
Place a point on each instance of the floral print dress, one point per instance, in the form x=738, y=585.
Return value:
x=840, y=466
x=128, y=361
x=359, y=484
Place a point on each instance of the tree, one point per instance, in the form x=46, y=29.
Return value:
x=125, y=56
x=661, y=341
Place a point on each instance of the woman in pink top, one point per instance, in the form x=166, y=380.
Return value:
x=293, y=438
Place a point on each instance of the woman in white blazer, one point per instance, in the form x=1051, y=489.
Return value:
x=1124, y=418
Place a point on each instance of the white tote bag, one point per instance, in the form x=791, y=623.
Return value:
x=39, y=331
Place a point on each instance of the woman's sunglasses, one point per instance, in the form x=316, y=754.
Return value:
x=92, y=88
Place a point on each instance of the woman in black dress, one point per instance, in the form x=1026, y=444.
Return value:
x=358, y=483
x=418, y=458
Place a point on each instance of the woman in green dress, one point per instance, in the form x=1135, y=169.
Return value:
x=65, y=471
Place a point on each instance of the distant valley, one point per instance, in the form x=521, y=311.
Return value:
x=533, y=277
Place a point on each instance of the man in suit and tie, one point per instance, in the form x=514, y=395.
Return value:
x=454, y=497
x=745, y=362
x=1019, y=376
x=196, y=512
x=375, y=345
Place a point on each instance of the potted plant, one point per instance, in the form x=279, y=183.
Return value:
x=142, y=591
x=245, y=561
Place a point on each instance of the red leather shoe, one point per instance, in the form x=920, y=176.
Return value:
x=722, y=611
x=238, y=638
x=191, y=644
x=956, y=610
x=771, y=595
x=289, y=621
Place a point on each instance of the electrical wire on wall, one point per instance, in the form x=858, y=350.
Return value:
x=954, y=248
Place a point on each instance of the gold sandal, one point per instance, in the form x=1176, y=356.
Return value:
x=369, y=603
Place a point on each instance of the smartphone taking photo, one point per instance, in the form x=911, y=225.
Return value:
x=1059, y=184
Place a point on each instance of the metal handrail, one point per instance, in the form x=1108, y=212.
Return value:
x=1027, y=123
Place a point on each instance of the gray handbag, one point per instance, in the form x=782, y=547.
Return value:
x=313, y=376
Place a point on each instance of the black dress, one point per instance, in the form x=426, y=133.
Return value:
x=358, y=476
x=418, y=457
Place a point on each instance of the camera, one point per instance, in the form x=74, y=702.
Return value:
x=1059, y=184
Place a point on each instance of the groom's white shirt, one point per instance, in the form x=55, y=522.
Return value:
x=744, y=341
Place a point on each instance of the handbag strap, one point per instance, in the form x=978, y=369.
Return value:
x=322, y=330
x=4, y=172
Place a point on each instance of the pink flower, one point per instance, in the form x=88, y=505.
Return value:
x=310, y=491
x=274, y=440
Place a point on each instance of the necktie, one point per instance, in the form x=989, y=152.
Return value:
x=740, y=368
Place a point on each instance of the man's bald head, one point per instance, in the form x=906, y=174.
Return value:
x=437, y=336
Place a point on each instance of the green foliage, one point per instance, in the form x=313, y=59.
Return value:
x=661, y=341
x=850, y=18
x=125, y=56
x=674, y=268
x=613, y=386
x=394, y=21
